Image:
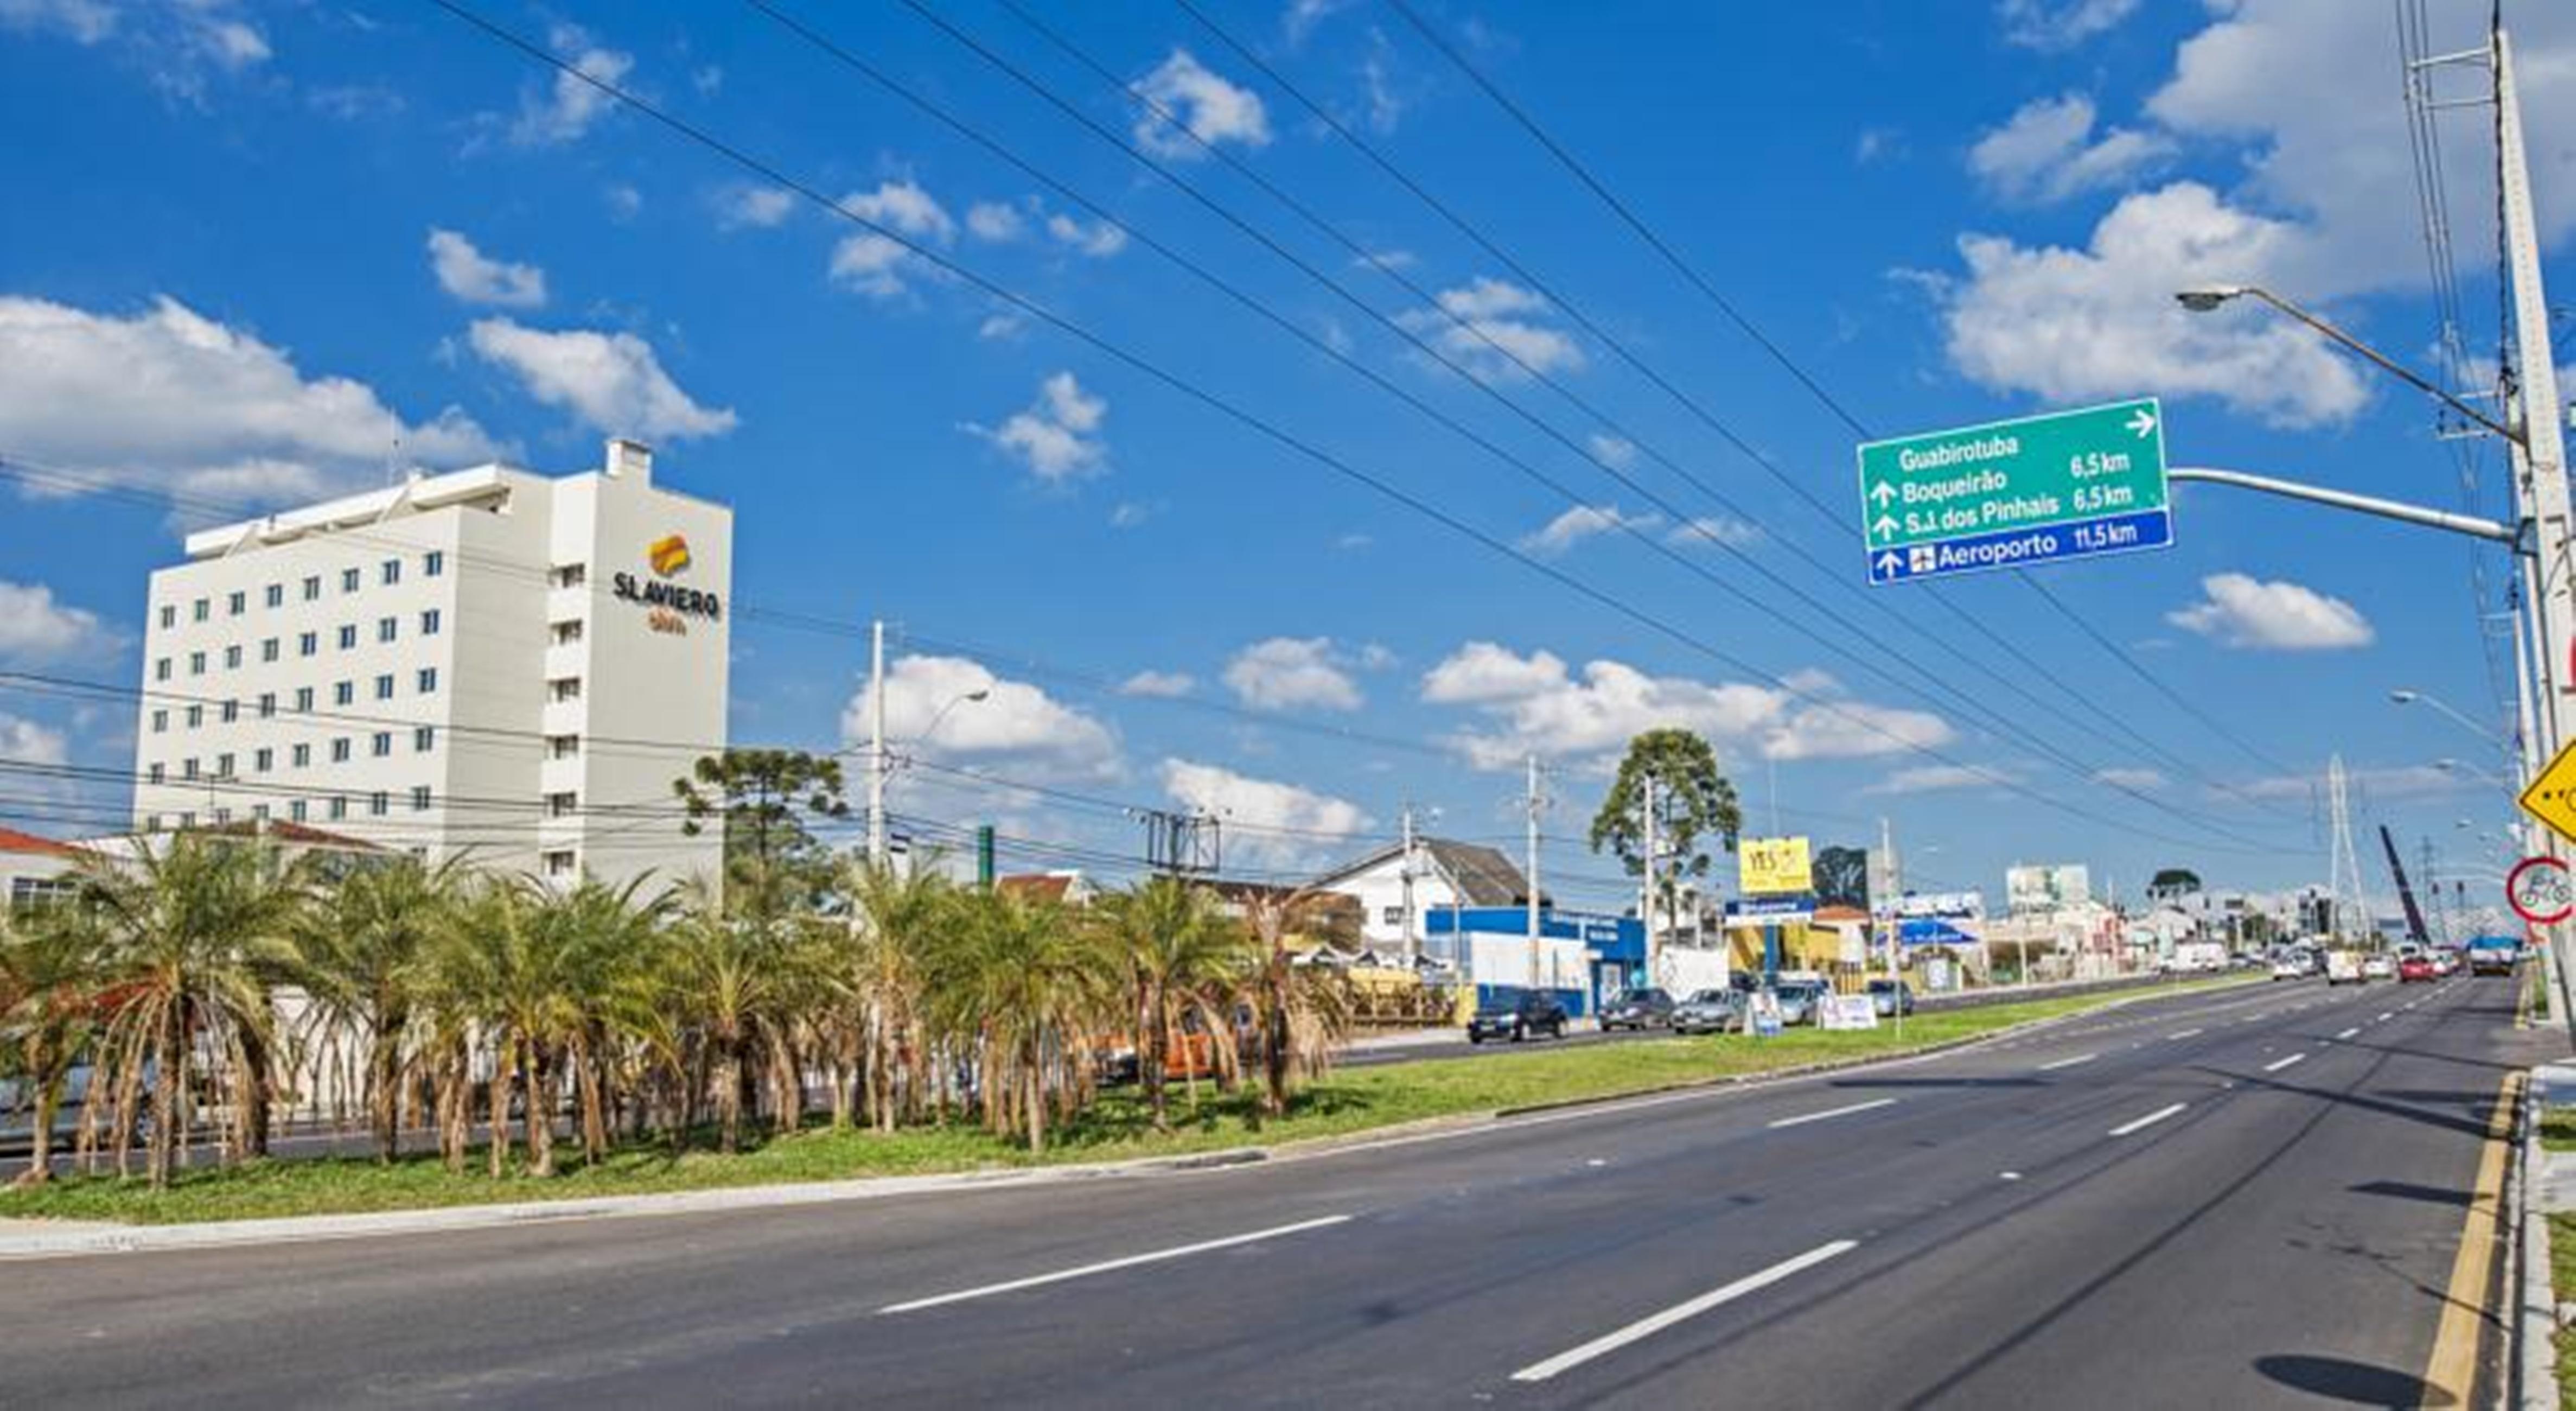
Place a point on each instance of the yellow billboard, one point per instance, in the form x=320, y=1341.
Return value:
x=1773, y=866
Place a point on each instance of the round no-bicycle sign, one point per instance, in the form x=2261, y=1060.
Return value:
x=2538, y=888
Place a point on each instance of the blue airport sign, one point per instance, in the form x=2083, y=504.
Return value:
x=2023, y=548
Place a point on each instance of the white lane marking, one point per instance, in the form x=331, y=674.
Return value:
x=2278, y=1065
x=2348, y=1033
x=2069, y=1062
x=2385, y=1015
x=1805, y=1117
x=1654, y=1323
x=2184, y=1034
x=1106, y=1265
x=2009, y=1176
x=2149, y=1120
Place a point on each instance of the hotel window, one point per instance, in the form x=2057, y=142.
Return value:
x=223, y=816
x=385, y=687
x=296, y=810
x=169, y=615
x=559, y=863
x=231, y=712
x=268, y=705
x=564, y=688
x=232, y=658
x=235, y=602
x=161, y=669
x=383, y=744
x=198, y=610
x=562, y=805
x=348, y=580
x=567, y=633
x=376, y=803
x=152, y=774
x=196, y=663
x=340, y=750
x=187, y=820
x=263, y=760
x=304, y=700
x=424, y=738
x=306, y=644
x=433, y=563
x=348, y=635
x=188, y=767
x=386, y=628
x=563, y=746
x=344, y=693
x=160, y=722
x=268, y=649
x=420, y=798
x=339, y=807
x=259, y=813
x=301, y=757
x=224, y=765
x=572, y=575
x=274, y=596
x=196, y=716
x=428, y=676
x=313, y=588
x=429, y=622
x=392, y=570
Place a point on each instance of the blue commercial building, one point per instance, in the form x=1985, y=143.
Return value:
x=1614, y=947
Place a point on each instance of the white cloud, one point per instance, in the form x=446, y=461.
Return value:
x=1159, y=684
x=1098, y=240
x=474, y=277
x=2398, y=782
x=876, y=264
x=1614, y=451
x=1003, y=326
x=1264, y=819
x=610, y=381
x=625, y=201
x=1534, y=705
x=1057, y=437
x=180, y=45
x=2142, y=780
x=173, y=400
x=1303, y=15
x=1016, y=731
x=1711, y=530
x=2266, y=88
x=1202, y=102
x=1492, y=328
x=565, y=110
x=1931, y=778
x=1875, y=144
x=2048, y=152
x=1129, y=514
x=1289, y=673
x=1581, y=522
x=994, y=220
x=2060, y=24
x=35, y=628
x=24, y=741
x=2243, y=611
x=753, y=207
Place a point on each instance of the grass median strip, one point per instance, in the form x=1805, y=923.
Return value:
x=1348, y=1103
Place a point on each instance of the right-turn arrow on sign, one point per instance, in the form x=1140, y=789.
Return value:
x=2009, y=494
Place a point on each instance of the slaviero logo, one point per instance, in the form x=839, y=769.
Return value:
x=668, y=606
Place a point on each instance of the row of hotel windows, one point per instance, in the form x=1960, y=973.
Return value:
x=334, y=807
x=300, y=756
x=432, y=565
x=306, y=644
x=343, y=693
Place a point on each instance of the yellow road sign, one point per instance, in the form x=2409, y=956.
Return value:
x=2552, y=796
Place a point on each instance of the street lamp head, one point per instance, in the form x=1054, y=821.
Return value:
x=2403, y=697
x=2201, y=301
x=2447, y=766
x=982, y=695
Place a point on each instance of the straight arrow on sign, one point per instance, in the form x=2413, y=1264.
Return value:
x=1884, y=493
x=1889, y=563
x=1886, y=526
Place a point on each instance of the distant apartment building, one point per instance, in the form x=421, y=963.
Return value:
x=491, y=662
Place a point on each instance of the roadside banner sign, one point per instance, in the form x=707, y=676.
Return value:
x=1763, y=1007
x=1772, y=866
x=2551, y=795
x=1770, y=911
x=2539, y=891
x=2012, y=494
x=1848, y=1012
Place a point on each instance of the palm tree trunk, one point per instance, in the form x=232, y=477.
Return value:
x=1153, y=1048
x=49, y=1091
x=258, y=1092
x=503, y=1061
x=541, y=1112
x=594, y=1103
x=729, y=1099
x=165, y=1097
x=384, y=1064
x=1035, y=1080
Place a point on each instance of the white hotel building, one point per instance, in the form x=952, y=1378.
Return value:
x=494, y=662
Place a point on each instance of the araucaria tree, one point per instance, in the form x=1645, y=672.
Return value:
x=1693, y=803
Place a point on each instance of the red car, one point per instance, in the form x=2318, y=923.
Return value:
x=2417, y=967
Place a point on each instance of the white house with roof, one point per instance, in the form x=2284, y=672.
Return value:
x=1443, y=874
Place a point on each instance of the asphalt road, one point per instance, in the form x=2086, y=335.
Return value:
x=2240, y=1199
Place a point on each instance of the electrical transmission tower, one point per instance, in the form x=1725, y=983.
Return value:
x=2350, y=904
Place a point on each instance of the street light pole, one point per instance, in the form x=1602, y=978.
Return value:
x=877, y=762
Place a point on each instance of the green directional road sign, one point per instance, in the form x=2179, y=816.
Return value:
x=2013, y=493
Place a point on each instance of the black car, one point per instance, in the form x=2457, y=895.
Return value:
x=1638, y=1009
x=1517, y=1017
x=1891, y=998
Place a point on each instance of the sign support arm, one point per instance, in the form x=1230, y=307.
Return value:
x=2398, y=510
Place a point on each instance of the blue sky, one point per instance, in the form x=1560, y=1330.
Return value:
x=271, y=250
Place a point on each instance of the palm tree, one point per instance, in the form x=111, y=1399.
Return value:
x=894, y=920
x=1029, y=985
x=1302, y=1013
x=1182, y=956
x=729, y=972
x=360, y=956
x=188, y=934
x=48, y=1013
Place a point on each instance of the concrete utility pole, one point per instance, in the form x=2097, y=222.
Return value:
x=1648, y=910
x=1404, y=871
x=876, y=744
x=1533, y=804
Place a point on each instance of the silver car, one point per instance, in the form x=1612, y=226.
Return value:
x=1710, y=1012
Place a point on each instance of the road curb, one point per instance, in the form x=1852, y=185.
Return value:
x=2533, y=1361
